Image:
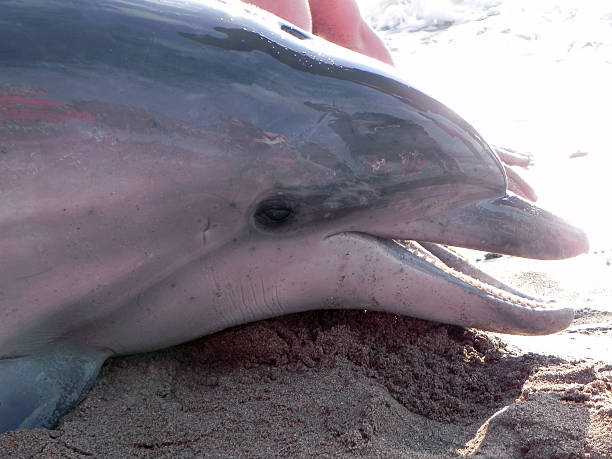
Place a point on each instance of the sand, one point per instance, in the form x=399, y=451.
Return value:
x=346, y=383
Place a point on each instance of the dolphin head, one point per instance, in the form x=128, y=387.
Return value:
x=184, y=168
x=356, y=221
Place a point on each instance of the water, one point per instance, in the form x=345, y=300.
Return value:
x=531, y=75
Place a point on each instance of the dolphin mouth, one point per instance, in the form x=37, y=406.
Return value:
x=456, y=268
x=417, y=272
x=434, y=282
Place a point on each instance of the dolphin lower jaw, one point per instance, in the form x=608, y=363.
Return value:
x=404, y=277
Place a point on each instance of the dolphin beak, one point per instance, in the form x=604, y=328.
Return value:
x=505, y=225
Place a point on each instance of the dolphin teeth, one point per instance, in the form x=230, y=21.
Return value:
x=500, y=290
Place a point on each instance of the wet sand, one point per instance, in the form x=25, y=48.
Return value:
x=346, y=383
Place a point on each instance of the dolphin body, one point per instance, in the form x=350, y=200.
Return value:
x=170, y=169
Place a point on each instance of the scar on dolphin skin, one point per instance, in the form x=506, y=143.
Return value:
x=367, y=134
x=235, y=171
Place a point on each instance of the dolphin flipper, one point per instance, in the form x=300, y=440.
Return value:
x=36, y=390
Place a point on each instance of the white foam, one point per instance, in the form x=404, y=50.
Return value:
x=411, y=15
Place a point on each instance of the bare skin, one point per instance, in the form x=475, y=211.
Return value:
x=340, y=22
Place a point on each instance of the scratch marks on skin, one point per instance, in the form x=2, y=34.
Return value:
x=248, y=298
x=255, y=299
x=253, y=292
x=239, y=301
x=270, y=306
x=277, y=297
x=263, y=296
x=244, y=301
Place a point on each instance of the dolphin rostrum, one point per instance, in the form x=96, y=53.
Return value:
x=170, y=169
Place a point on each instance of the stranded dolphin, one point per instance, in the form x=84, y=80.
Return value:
x=169, y=169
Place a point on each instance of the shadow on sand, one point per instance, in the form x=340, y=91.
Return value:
x=339, y=383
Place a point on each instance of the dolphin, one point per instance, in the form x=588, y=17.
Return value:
x=169, y=169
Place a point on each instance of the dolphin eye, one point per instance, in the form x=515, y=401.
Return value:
x=278, y=215
x=275, y=213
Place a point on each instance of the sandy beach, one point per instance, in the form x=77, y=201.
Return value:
x=346, y=383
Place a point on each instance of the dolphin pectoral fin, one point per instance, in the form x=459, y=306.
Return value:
x=409, y=280
x=505, y=225
x=37, y=390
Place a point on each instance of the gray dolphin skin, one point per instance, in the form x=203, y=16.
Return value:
x=170, y=169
